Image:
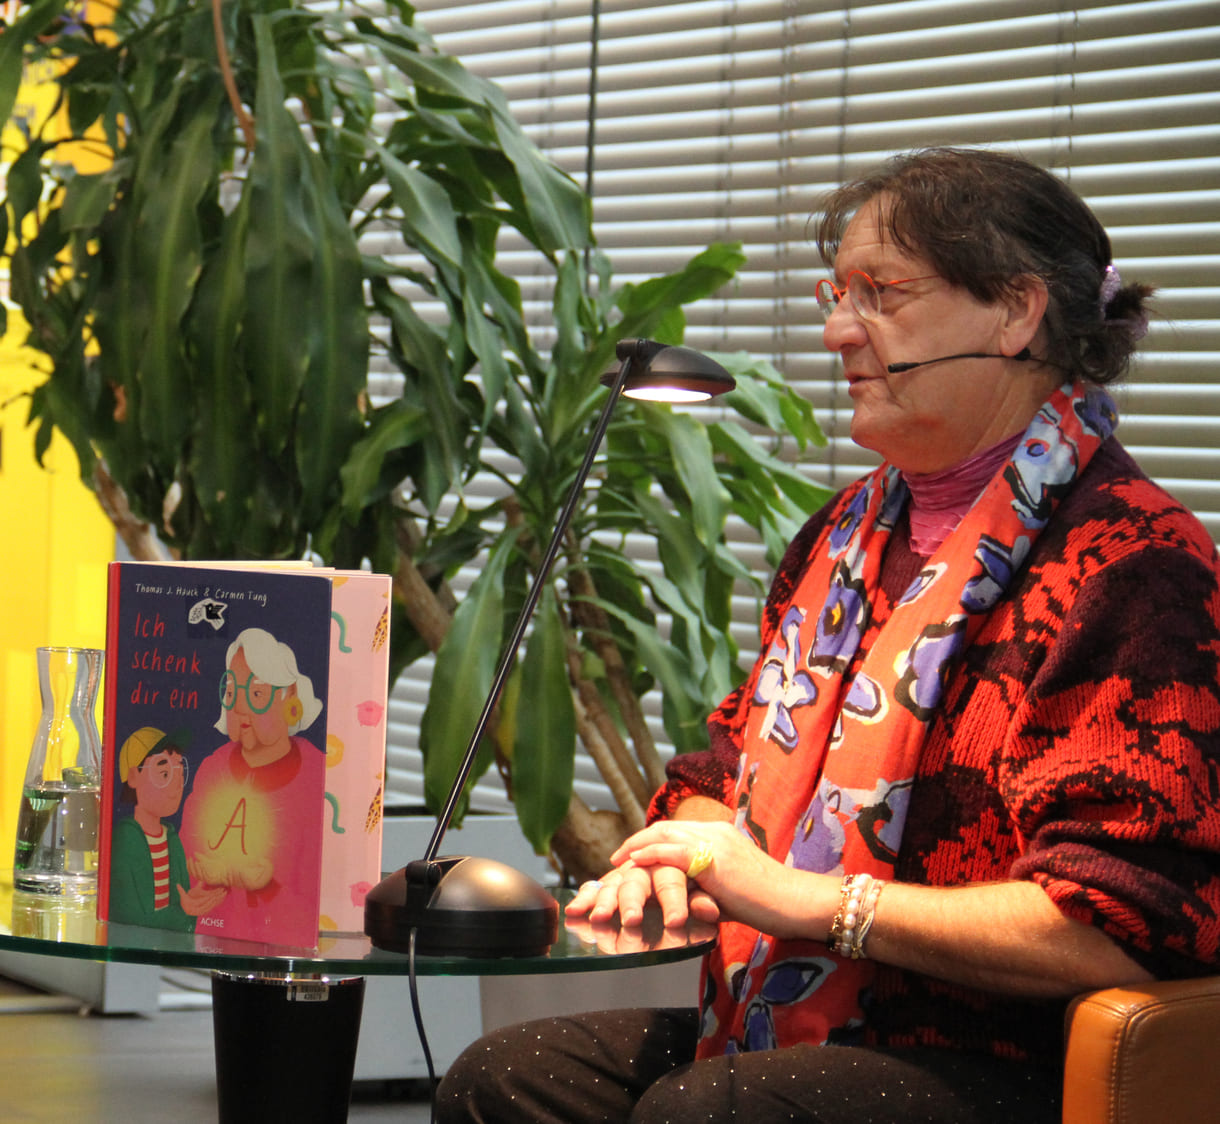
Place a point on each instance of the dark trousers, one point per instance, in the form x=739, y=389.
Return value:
x=638, y=1065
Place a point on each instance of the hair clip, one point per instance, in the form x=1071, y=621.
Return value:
x=1111, y=282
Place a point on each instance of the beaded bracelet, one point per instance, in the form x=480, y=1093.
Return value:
x=843, y=927
x=854, y=918
x=867, y=913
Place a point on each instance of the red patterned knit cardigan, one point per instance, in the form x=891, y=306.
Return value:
x=1078, y=747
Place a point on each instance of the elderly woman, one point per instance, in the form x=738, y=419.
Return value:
x=974, y=770
x=249, y=826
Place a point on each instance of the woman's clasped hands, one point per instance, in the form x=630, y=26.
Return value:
x=706, y=871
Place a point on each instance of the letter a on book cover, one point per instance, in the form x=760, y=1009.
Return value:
x=215, y=750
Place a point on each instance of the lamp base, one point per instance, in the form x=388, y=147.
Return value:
x=461, y=906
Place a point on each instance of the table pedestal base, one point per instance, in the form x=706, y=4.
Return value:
x=285, y=1046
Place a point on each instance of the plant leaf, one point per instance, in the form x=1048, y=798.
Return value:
x=762, y=396
x=686, y=710
x=13, y=39
x=465, y=666
x=691, y=453
x=279, y=252
x=644, y=306
x=559, y=211
x=544, y=741
x=336, y=372
x=395, y=426
x=168, y=248
x=777, y=483
x=220, y=466
x=432, y=384
x=428, y=218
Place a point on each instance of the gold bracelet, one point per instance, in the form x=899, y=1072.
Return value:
x=836, y=922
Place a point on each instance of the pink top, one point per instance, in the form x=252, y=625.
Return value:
x=259, y=832
x=939, y=500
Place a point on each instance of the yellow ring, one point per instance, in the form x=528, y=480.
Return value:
x=700, y=860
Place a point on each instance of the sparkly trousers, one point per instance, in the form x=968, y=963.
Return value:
x=637, y=1065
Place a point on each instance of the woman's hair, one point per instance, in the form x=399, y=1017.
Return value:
x=275, y=663
x=984, y=220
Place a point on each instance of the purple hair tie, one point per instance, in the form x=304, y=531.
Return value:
x=1111, y=282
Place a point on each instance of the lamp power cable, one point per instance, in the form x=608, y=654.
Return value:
x=417, y=1012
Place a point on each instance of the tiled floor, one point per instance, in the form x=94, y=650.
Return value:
x=58, y=1066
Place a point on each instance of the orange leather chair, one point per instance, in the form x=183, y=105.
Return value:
x=1148, y=1054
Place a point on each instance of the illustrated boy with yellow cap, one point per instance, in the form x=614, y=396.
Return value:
x=149, y=883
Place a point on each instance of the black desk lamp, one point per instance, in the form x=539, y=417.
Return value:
x=469, y=906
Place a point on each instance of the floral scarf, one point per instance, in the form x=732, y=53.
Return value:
x=841, y=703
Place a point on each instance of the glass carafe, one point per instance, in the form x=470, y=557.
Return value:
x=57, y=825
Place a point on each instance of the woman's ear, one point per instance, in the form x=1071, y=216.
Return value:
x=1024, y=307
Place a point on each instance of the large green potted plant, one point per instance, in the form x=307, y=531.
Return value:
x=209, y=310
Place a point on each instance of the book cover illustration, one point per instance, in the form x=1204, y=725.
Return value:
x=214, y=750
x=355, y=747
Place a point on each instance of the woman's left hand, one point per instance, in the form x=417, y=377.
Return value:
x=745, y=882
x=1007, y=937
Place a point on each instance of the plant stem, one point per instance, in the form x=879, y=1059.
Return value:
x=430, y=612
x=594, y=715
x=226, y=73
x=586, y=839
x=597, y=634
x=135, y=533
x=616, y=780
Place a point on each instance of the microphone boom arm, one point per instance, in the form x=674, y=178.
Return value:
x=900, y=368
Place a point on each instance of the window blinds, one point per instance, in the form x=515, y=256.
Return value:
x=726, y=120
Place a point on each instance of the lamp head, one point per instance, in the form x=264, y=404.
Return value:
x=668, y=373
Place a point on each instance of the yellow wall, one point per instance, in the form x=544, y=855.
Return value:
x=56, y=541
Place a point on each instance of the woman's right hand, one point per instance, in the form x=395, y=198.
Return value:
x=626, y=889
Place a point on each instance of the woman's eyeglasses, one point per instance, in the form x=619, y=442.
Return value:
x=259, y=695
x=865, y=293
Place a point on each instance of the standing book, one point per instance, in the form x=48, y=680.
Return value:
x=243, y=749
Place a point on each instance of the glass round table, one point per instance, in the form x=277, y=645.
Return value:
x=275, y=1002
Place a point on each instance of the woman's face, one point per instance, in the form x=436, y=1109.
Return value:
x=936, y=416
x=264, y=723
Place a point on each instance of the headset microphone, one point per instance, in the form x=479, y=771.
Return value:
x=899, y=368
